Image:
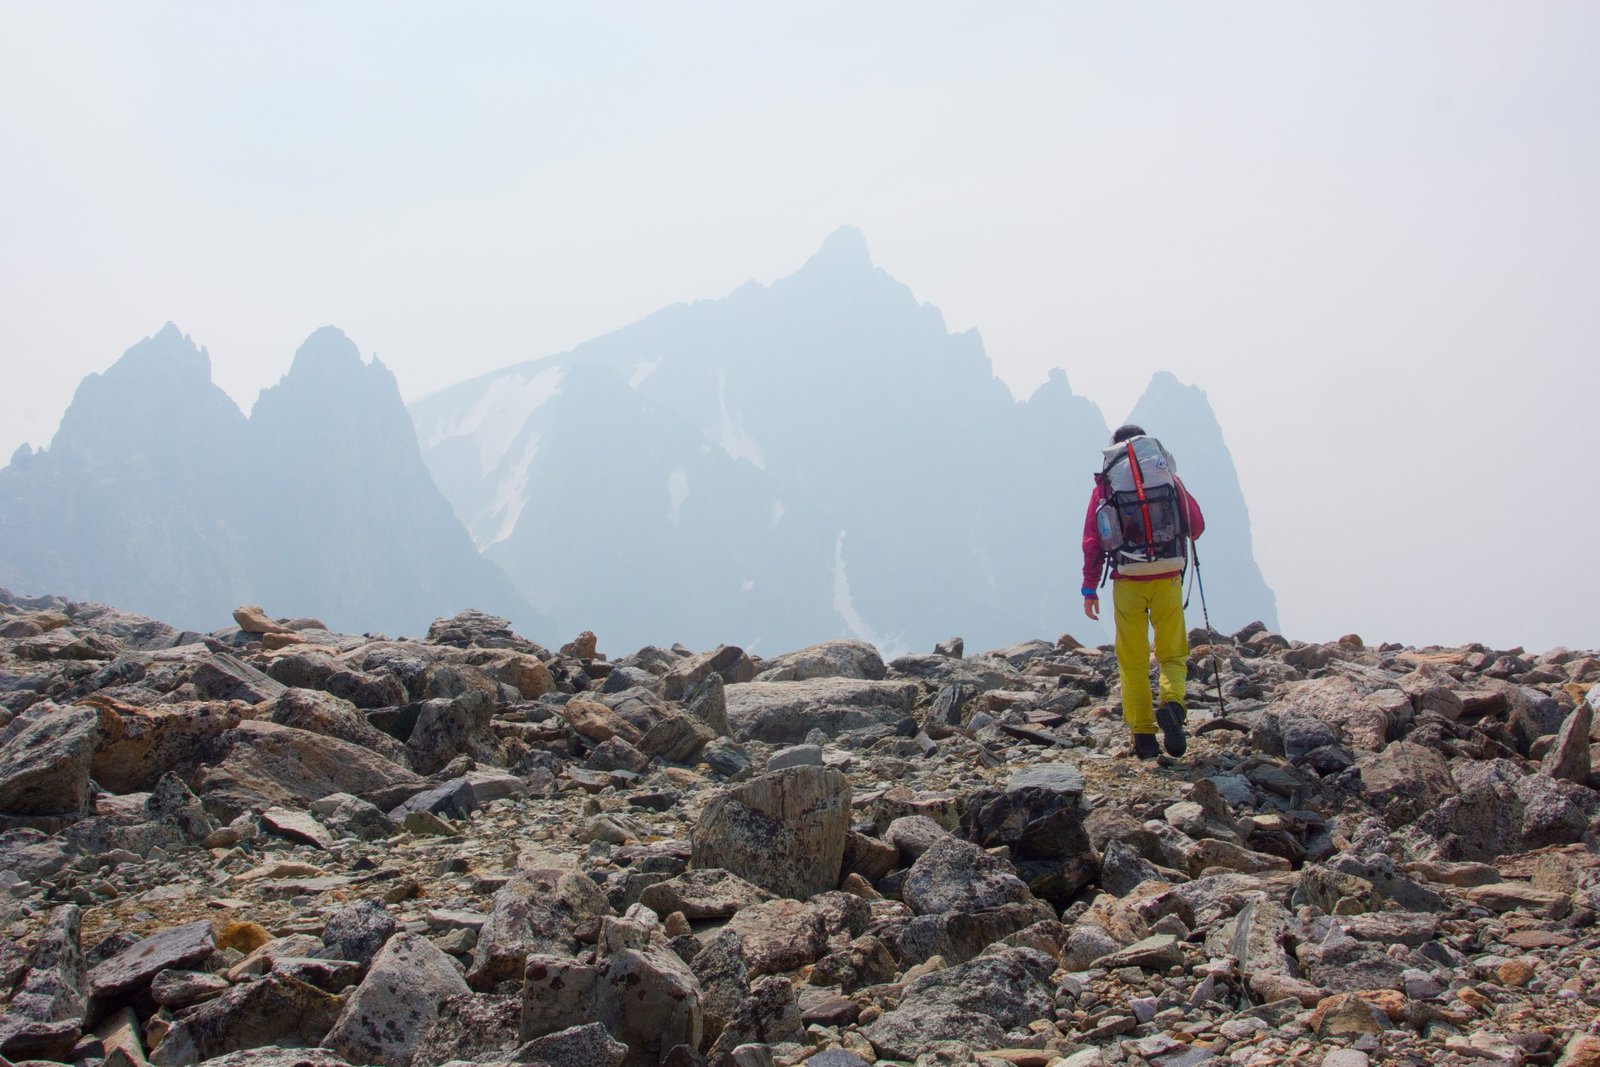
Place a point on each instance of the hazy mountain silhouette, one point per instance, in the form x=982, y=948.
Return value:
x=1182, y=418
x=133, y=502
x=796, y=461
x=793, y=462
x=159, y=496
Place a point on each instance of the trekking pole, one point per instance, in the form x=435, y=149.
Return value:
x=1216, y=669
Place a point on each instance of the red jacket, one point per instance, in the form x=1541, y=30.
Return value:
x=1094, y=557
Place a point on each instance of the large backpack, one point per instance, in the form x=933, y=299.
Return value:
x=1142, y=525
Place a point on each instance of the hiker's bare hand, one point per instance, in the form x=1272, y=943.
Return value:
x=1091, y=607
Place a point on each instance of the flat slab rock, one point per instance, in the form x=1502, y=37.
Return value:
x=180, y=947
x=293, y=887
x=1055, y=777
x=297, y=826
x=1155, y=953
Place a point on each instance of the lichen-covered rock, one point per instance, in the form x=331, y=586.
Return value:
x=138, y=745
x=785, y=712
x=1405, y=781
x=472, y=1027
x=779, y=935
x=585, y=1045
x=831, y=659
x=769, y=1015
x=273, y=1010
x=46, y=1012
x=358, y=931
x=975, y=1003
x=956, y=875
x=395, y=1006
x=131, y=969
x=558, y=993
x=649, y=1000
x=323, y=713
x=783, y=831
x=45, y=755
x=264, y=765
x=536, y=913
x=703, y=894
x=448, y=727
x=1568, y=758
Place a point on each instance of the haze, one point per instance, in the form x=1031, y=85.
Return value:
x=1369, y=232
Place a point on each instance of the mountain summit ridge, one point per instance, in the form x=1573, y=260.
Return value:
x=813, y=458
x=827, y=431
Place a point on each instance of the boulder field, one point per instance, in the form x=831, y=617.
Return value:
x=277, y=845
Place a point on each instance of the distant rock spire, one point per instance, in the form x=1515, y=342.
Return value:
x=843, y=251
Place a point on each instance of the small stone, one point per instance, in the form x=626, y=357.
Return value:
x=1151, y=954
x=795, y=756
x=1346, y=1057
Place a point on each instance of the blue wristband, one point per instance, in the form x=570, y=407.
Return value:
x=1089, y=594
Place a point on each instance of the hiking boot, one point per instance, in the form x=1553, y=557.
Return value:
x=1145, y=747
x=1169, y=717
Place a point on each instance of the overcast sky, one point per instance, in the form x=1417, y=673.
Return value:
x=1370, y=232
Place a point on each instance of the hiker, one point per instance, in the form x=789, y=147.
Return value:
x=1139, y=524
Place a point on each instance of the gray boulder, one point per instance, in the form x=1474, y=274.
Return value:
x=724, y=979
x=677, y=738
x=177, y=947
x=783, y=831
x=1568, y=758
x=779, y=935
x=1405, y=781
x=769, y=1015
x=264, y=765
x=223, y=677
x=536, y=913
x=323, y=713
x=588, y=1045
x=956, y=875
x=46, y=1013
x=274, y=1010
x=975, y=1003
x=453, y=726
x=703, y=894
x=830, y=659
x=912, y=835
x=474, y=1028
x=958, y=936
x=358, y=931
x=557, y=993
x=1121, y=869
x=785, y=712
x=173, y=805
x=45, y=755
x=649, y=1000
x=393, y=1008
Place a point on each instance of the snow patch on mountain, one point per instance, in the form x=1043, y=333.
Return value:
x=677, y=492
x=641, y=371
x=844, y=603
x=730, y=432
x=509, y=499
x=499, y=415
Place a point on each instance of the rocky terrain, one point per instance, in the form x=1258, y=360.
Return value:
x=278, y=845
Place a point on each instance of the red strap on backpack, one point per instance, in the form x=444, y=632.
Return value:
x=1144, y=506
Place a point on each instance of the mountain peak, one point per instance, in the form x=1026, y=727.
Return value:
x=843, y=250
x=167, y=356
x=326, y=355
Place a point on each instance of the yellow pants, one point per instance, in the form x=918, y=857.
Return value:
x=1139, y=606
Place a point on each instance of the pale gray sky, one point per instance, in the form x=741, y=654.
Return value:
x=1369, y=231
